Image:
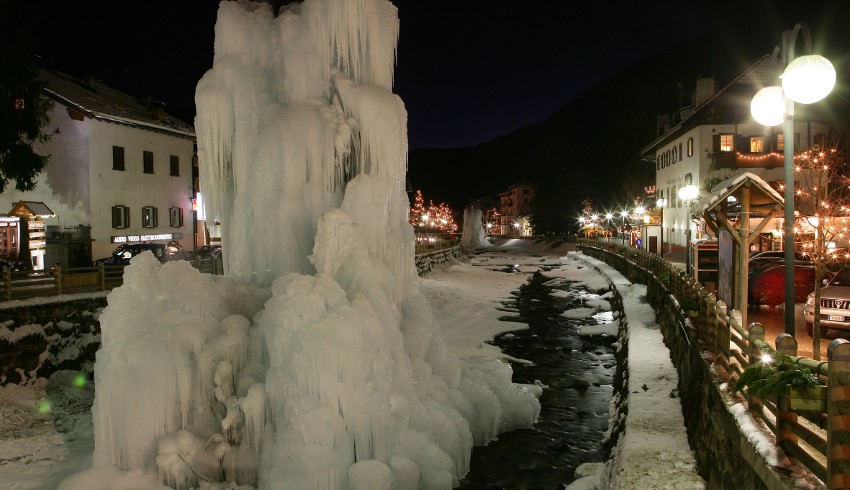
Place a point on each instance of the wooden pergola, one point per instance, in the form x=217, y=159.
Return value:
x=752, y=198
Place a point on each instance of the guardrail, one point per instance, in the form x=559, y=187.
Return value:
x=815, y=430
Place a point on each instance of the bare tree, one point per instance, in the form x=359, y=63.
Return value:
x=823, y=203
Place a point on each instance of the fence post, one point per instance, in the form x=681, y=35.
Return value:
x=102, y=269
x=721, y=331
x=838, y=424
x=756, y=331
x=57, y=278
x=786, y=344
x=7, y=279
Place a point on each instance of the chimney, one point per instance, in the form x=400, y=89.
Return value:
x=706, y=87
x=158, y=110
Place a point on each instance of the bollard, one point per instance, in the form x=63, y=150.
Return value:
x=838, y=415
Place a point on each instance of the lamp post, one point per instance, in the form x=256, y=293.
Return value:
x=688, y=194
x=805, y=80
x=661, y=203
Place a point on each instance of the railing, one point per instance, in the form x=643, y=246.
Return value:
x=61, y=280
x=818, y=434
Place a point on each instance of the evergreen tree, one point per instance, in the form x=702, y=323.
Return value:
x=23, y=107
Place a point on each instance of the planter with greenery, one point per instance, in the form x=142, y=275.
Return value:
x=796, y=387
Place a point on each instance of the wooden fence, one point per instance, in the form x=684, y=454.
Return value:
x=814, y=427
x=60, y=280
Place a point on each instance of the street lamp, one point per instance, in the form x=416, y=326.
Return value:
x=805, y=80
x=688, y=194
x=661, y=203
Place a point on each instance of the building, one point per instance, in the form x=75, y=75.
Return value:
x=515, y=210
x=716, y=138
x=120, y=168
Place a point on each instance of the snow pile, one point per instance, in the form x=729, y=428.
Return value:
x=473, y=229
x=315, y=363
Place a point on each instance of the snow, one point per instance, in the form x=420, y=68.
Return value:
x=41, y=448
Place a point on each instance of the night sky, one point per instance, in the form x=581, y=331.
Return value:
x=467, y=70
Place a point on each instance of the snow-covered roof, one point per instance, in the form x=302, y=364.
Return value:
x=761, y=73
x=98, y=101
x=728, y=187
x=31, y=208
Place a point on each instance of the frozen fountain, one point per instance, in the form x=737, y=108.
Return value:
x=474, y=235
x=314, y=363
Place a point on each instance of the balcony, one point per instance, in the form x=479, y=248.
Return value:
x=735, y=160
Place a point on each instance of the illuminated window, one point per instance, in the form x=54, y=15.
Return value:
x=690, y=147
x=149, y=217
x=727, y=142
x=120, y=216
x=756, y=144
x=117, y=158
x=147, y=158
x=175, y=217
x=780, y=141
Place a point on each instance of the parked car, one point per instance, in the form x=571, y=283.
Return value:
x=123, y=253
x=208, y=252
x=767, y=283
x=834, y=305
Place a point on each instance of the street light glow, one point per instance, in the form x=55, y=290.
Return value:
x=688, y=193
x=768, y=106
x=808, y=79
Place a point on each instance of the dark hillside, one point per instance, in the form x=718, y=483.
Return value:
x=590, y=147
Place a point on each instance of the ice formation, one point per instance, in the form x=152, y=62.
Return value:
x=473, y=229
x=315, y=363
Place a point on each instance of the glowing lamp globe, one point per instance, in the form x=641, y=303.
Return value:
x=768, y=106
x=808, y=79
x=688, y=193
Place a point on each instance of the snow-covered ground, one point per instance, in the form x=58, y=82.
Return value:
x=46, y=432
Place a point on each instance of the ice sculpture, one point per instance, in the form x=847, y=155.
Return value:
x=473, y=230
x=315, y=362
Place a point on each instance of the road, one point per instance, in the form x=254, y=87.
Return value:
x=774, y=325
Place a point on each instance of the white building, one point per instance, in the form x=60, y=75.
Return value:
x=716, y=138
x=118, y=166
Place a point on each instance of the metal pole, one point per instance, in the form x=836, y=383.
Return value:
x=661, y=232
x=788, y=38
x=788, y=136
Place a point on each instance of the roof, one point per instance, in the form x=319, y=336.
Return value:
x=762, y=73
x=98, y=101
x=30, y=209
x=765, y=195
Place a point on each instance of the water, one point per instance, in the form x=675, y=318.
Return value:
x=578, y=374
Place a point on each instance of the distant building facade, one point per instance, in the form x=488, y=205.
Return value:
x=515, y=210
x=121, y=169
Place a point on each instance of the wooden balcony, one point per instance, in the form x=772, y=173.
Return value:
x=735, y=160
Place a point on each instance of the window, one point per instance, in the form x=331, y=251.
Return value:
x=727, y=142
x=756, y=144
x=120, y=216
x=147, y=158
x=117, y=158
x=149, y=217
x=175, y=166
x=690, y=147
x=175, y=217
x=780, y=141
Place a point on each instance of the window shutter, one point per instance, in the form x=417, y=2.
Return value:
x=715, y=143
x=115, y=217
x=155, y=218
x=126, y=217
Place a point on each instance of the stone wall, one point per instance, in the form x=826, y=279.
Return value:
x=426, y=262
x=41, y=337
x=725, y=456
